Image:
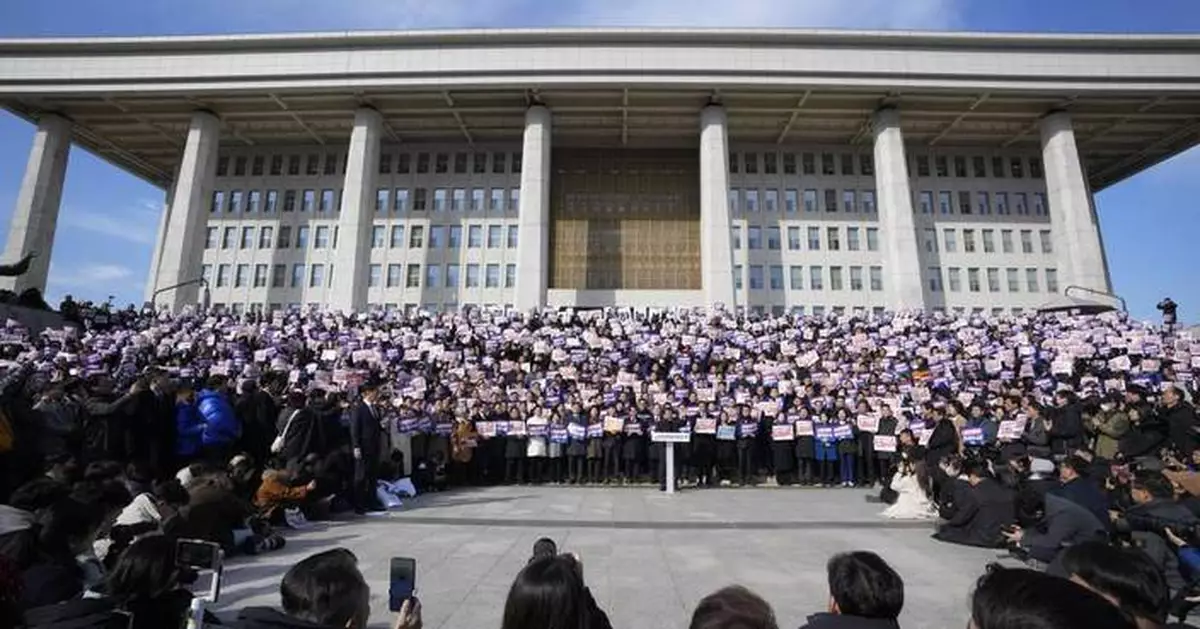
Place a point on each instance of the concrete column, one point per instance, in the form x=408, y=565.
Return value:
x=1080, y=254
x=716, y=246
x=901, y=256
x=353, y=253
x=163, y=220
x=533, y=256
x=182, y=246
x=31, y=229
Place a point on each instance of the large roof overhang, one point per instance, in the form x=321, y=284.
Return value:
x=1134, y=99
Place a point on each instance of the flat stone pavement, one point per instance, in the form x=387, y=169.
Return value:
x=648, y=557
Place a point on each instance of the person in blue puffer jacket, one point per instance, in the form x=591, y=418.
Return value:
x=189, y=426
x=221, y=426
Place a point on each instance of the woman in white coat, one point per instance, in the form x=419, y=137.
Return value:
x=536, y=446
x=911, y=501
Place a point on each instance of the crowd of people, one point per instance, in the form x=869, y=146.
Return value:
x=1036, y=434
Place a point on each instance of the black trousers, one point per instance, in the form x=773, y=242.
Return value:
x=594, y=475
x=575, y=469
x=805, y=471
x=514, y=471
x=745, y=465
x=366, y=473
x=612, y=464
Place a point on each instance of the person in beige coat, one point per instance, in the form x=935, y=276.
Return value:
x=1109, y=424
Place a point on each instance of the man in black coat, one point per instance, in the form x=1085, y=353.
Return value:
x=257, y=411
x=1049, y=523
x=1180, y=418
x=1066, y=423
x=981, y=513
x=366, y=438
x=1076, y=486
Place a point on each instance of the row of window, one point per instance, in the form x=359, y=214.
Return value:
x=397, y=200
x=398, y=275
x=816, y=277
x=833, y=238
x=851, y=164
x=421, y=163
x=987, y=240
x=851, y=201
x=985, y=204
x=759, y=309
x=382, y=236
x=976, y=280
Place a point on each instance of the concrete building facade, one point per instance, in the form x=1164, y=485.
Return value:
x=774, y=171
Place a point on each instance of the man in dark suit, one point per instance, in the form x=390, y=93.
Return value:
x=981, y=512
x=1077, y=487
x=1049, y=524
x=366, y=437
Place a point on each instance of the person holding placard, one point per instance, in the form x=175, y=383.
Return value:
x=614, y=426
x=826, y=449
x=866, y=424
x=783, y=452
x=595, y=446
x=805, y=447
x=667, y=422
x=514, y=448
x=847, y=446
x=633, y=448
x=886, y=428
x=577, y=445
x=747, y=435
x=980, y=432
x=727, y=444
x=704, y=445
x=537, y=429
x=556, y=448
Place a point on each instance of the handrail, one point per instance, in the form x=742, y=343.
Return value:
x=1067, y=293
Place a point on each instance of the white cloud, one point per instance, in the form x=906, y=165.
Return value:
x=91, y=276
x=136, y=223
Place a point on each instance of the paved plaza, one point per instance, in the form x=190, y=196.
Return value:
x=648, y=557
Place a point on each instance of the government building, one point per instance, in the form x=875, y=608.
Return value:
x=767, y=170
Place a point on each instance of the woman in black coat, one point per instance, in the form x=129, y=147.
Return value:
x=514, y=452
x=806, y=448
x=704, y=447
x=783, y=452
x=727, y=443
x=576, y=447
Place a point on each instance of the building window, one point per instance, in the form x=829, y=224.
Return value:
x=931, y=240
x=791, y=200
x=477, y=200
x=810, y=200
x=413, y=280
x=993, y=280
x=403, y=164
x=737, y=277
x=847, y=164
x=472, y=276
x=321, y=239
x=1006, y=241
x=793, y=238
x=1002, y=203
x=771, y=163
x=235, y=201
x=989, y=240
x=935, y=279
x=458, y=200
x=433, y=274
x=493, y=237
x=297, y=275
x=422, y=163
x=796, y=277
x=312, y=164
x=978, y=166
x=831, y=236
x=925, y=202
x=734, y=162
x=309, y=201
x=922, y=165
x=385, y=164
x=510, y=275
x=253, y=201
x=752, y=200
x=276, y=165
x=266, y=237
x=872, y=239
x=400, y=200
x=285, y=237
x=876, y=276
x=998, y=167
x=827, y=165
x=454, y=236
x=775, y=277
x=754, y=237
x=964, y=202
x=866, y=163
x=451, y=276
x=222, y=275
x=773, y=238
x=439, y=200
x=960, y=166
x=808, y=164
x=260, y=276
x=835, y=278
x=436, y=237
x=381, y=200
x=856, y=278
x=771, y=200
x=1035, y=167
x=416, y=237
x=1019, y=202
x=984, y=207
x=815, y=281
x=393, y=275
x=278, y=275
x=374, y=275
x=293, y=165
x=331, y=164
x=316, y=276
x=1039, y=204
x=1031, y=280
x=210, y=238
x=756, y=277
x=944, y=203
x=1026, y=241
x=751, y=163
x=497, y=204
x=479, y=163
x=941, y=166
x=378, y=236
x=852, y=242
x=1051, y=281
x=441, y=163
x=397, y=240
x=327, y=200
x=272, y=202
x=228, y=237
x=968, y=241
x=1014, y=280
x=514, y=200
x=789, y=163
x=1018, y=168
x=491, y=276
x=474, y=236
x=831, y=201
x=289, y=201
x=849, y=201
x=954, y=275
x=814, y=238
x=951, y=241
x=973, y=280
x=498, y=160
x=418, y=199
x=735, y=235
x=868, y=201
x=512, y=235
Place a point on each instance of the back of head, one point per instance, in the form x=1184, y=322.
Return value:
x=327, y=589
x=38, y=494
x=977, y=468
x=863, y=584
x=1125, y=576
x=145, y=570
x=733, y=607
x=1026, y=599
x=1031, y=505
x=1154, y=484
x=547, y=594
x=544, y=548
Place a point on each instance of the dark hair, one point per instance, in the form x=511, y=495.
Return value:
x=863, y=584
x=215, y=382
x=1030, y=506
x=38, y=494
x=171, y=492
x=66, y=523
x=543, y=548
x=1153, y=483
x=102, y=470
x=1125, y=574
x=326, y=589
x=733, y=607
x=146, y=570
x=547, y=594
x=1026, y=599
x=106, y=496
x=976, y=467
x=1076, y=463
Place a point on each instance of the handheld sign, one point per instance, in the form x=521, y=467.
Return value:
x=804, y=428
x=783, y=432
x=670, y=437
x=868, y=423
x=706, y=426
x=972, y=436
x=885, y=443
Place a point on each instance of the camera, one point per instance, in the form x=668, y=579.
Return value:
x=1168, y=308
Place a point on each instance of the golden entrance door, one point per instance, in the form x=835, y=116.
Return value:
x=625, y=219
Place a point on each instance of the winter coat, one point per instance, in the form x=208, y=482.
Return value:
x=1180, y=420
x=1111, y=427
x=1065, y=523
x=221, y=425
x=189, y=429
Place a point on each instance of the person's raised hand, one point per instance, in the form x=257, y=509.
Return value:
x=409, y=616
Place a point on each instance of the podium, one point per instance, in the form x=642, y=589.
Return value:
x=670, y=439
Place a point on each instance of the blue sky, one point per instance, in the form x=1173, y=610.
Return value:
x=108, y=219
